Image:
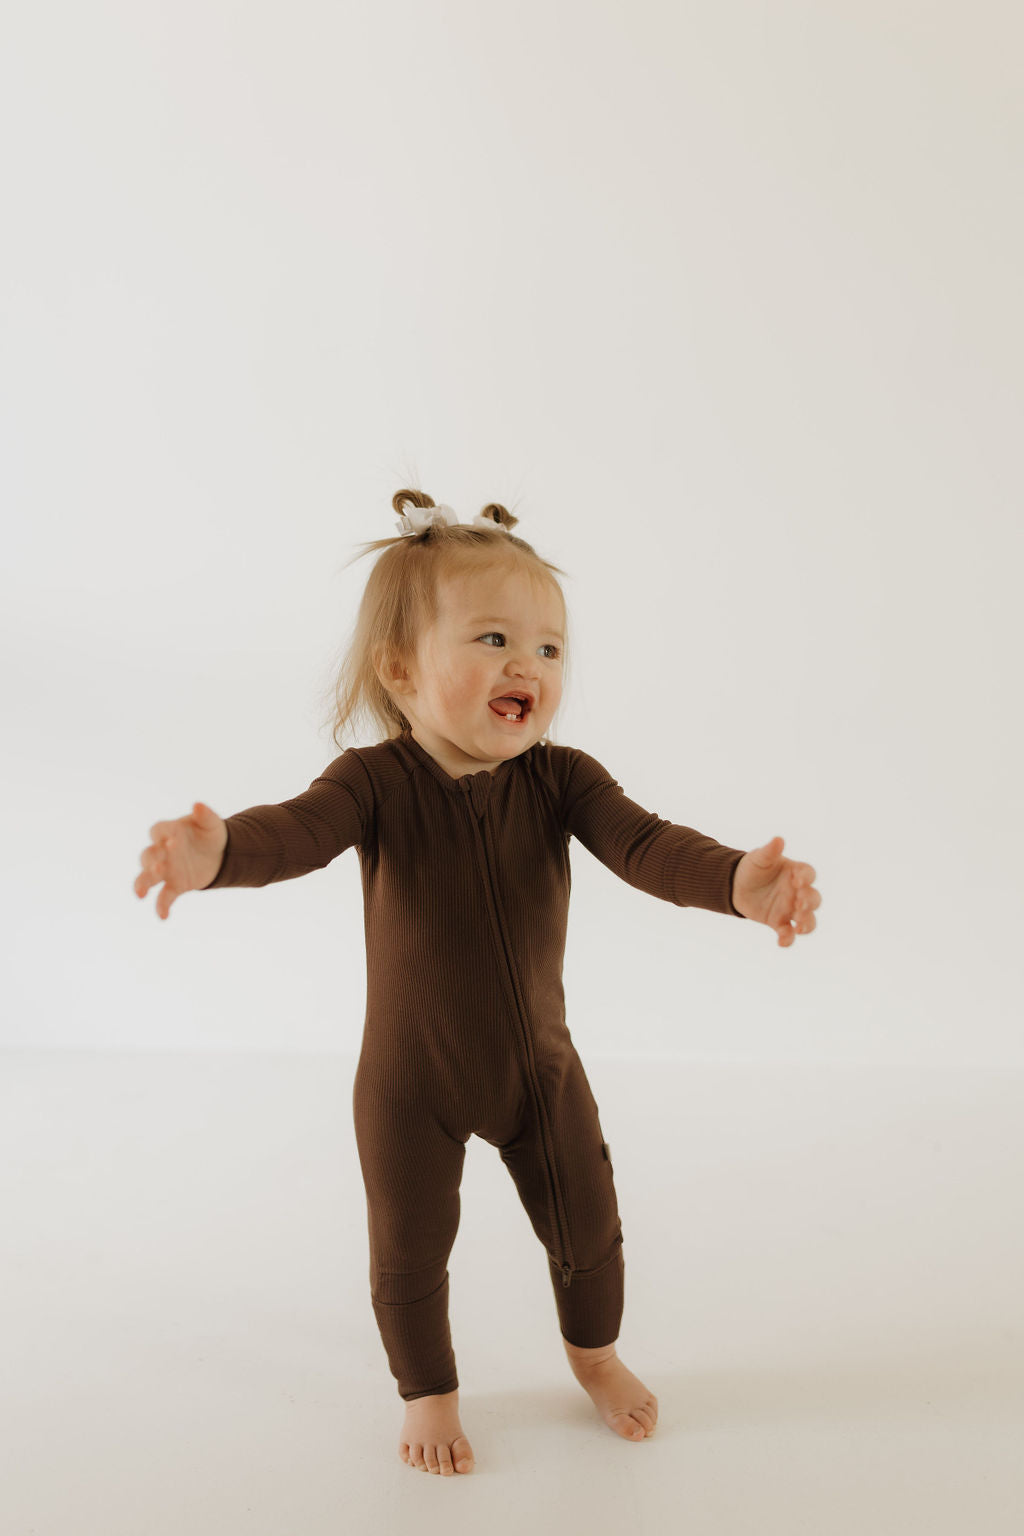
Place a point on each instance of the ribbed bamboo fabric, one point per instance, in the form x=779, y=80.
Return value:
x=466, y=884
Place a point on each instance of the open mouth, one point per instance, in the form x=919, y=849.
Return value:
x=512, y=707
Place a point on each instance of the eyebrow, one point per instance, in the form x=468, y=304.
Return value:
x=472, y=623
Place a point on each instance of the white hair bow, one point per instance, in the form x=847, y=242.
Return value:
x=418, y=519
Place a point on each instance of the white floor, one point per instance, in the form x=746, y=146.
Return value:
x=824, y=1286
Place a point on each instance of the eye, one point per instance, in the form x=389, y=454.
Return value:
x=548, y=647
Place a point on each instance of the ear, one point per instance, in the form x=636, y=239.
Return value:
x=394, y=676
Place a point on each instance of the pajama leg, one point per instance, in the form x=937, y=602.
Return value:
x=412, y=1169
x=590, y=1306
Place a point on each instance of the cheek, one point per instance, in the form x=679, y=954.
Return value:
x=475, y=688
x=553, y=692
x=465, y=686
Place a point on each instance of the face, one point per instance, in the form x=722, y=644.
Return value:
x=494, y=634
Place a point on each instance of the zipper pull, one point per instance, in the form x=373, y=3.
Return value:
x=566, y=1274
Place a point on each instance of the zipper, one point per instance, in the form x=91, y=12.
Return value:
x=477, y=813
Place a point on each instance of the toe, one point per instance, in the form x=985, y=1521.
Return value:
x=645, y=1418
x=444, y=1460
x=464, y=1461
x=430, y=1457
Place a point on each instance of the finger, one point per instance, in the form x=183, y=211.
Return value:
x=151, y=877
x=154, y=868
x=768, y=853
x=803, y=922
x=151, y=873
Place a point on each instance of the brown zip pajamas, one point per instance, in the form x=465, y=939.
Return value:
x=466, y=887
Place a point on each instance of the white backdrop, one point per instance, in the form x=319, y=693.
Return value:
x=723, y=300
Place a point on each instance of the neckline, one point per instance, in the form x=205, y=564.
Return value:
x=450, y=781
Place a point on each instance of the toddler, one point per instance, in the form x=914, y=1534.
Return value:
x=462, y=815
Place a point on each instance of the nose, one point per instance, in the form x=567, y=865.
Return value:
x=525, y=676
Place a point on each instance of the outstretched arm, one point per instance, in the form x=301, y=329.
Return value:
x=676, y=863
x=266, y=843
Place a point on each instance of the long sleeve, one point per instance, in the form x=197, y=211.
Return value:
x=267, y=843
x=673, y=862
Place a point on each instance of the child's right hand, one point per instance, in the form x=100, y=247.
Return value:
x=184, y=854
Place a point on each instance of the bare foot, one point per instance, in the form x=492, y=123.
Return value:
x=432, y=1437
x=620, y=1398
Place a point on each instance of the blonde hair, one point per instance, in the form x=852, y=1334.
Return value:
x=400, y=600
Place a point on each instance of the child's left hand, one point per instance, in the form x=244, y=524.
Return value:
x=776, y=891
